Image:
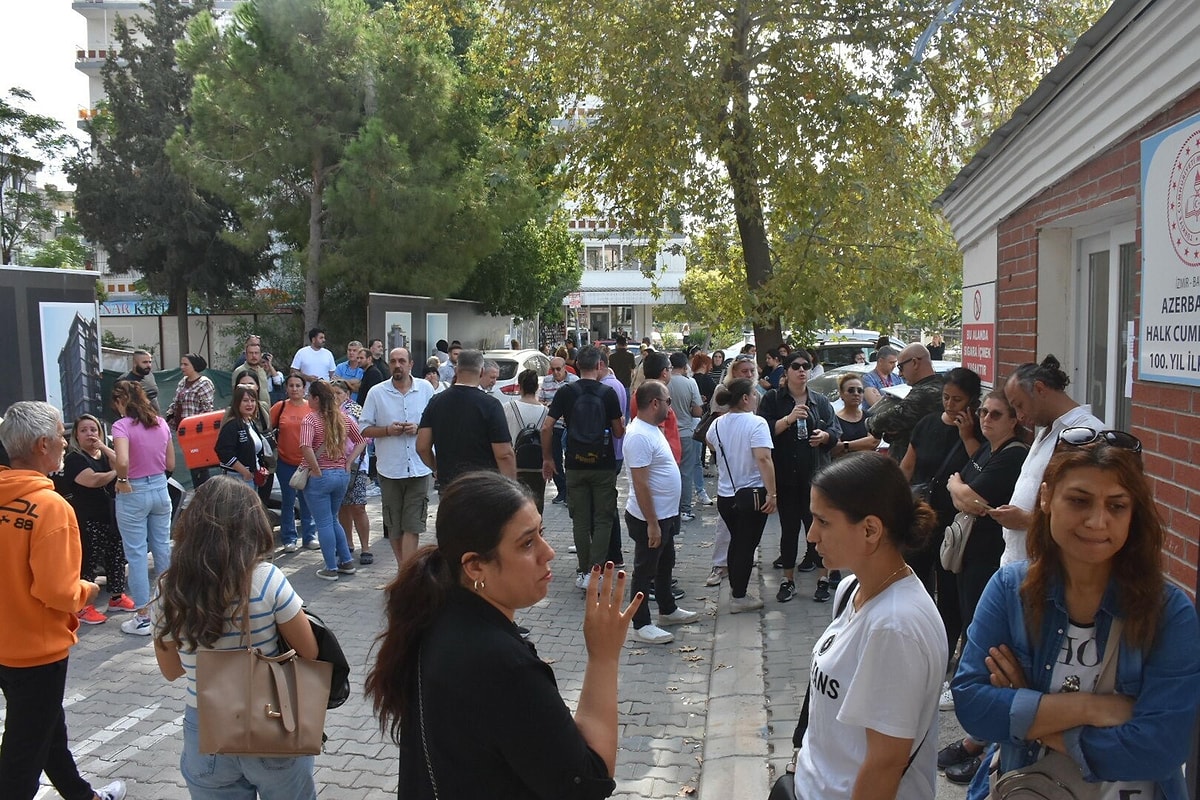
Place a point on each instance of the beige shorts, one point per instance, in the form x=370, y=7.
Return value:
x=405, y=503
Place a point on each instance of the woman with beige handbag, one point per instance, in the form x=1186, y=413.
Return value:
x=1032, y=674
x=225, y=533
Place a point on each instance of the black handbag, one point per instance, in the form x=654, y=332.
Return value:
x=701, y=432
x=329, y=650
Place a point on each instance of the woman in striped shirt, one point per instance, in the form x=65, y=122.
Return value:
x=329, y=439
x=195, y=611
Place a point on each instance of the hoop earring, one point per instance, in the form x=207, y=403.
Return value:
x=479, y=585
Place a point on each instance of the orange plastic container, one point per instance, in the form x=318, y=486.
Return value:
x=198, y=439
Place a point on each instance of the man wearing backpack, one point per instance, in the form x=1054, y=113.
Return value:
x=592, y=413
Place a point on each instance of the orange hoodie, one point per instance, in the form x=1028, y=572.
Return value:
x=40, y=555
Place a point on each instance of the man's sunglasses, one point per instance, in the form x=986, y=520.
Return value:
x=907, y=361
x=1082, y=437
x=799, y=365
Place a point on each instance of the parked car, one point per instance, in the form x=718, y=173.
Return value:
x=512, y=363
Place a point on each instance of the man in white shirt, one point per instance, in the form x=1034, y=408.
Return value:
x=487, y=380
x=1037, y=392
x=652, y=513
x=447, y=370
x=391, y=413
x=314, y=363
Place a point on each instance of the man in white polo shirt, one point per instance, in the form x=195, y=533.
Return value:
x=652, y=513
x=391, y=413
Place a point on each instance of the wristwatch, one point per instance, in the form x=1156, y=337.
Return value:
x=845, y=447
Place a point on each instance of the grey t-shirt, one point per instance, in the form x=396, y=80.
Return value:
x=685, y=394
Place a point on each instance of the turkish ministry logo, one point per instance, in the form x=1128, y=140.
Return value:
x=1183, y=202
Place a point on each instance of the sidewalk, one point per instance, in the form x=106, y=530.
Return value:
x=704, y=716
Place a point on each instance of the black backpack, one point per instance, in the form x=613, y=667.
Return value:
x=587, y=428
x=528, y=443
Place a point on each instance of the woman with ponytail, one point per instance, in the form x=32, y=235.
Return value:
x=329, y=440
x=459, y=689
x=877, y=669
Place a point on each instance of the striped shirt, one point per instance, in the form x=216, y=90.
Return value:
x=272, y=601
x=312, y=434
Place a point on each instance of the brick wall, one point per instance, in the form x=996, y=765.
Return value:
x=1166, y=418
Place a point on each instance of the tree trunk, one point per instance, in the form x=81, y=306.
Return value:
x=744, y=179
x=312, y=288
x=179, y=297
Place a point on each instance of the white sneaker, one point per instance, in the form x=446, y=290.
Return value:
x=291, y=547
x=739, y=604
x=687, y=516
x=114, y=791
x=946, y=701
x=373, y=491
x=313, y=544
x=581, y=581
x=703, y=499
x=652, y=634
x=138, y=626
x=678, y=617
x=716, y=576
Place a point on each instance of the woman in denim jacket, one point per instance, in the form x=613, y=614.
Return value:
x=1041, y=628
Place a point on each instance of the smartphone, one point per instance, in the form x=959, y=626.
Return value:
x=982, y=506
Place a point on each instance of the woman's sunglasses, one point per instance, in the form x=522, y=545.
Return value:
x=799, y=365
x=853, y=390
x=1082, y=437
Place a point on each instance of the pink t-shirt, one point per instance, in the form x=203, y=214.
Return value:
x=147, y=446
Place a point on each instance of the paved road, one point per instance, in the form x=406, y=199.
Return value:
x=709, y=715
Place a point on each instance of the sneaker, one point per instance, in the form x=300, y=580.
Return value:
x=346, y=569
x=686, y=516
x=137, y=625
x=581, y=581
x=652, y=634
x=946, y=701
x=964, y=773
x=779, y=563
x=291, y=547
x=373, y=491
x=121, y=602
x=327, y=574
x=312, y=544
x=808, y=564
x=678, y=617
x=676, y=593
x=559, y=500
x=787, y=590
x=703, y=499
x=953, y=753
x=822, y=593
x=90, y=616
x=739, y=604
x=716, y=576
x=572, y=549
x=113, y=791
x=366, y=558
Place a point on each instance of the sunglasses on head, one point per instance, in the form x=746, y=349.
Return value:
x=744, y=357
x=1082, y=437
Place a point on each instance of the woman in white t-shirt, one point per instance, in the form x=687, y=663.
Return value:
x=527, y=410
x=224, y=532
x=743, y=443
x=877, y=670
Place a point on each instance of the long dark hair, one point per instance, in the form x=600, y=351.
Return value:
x=137, y=404
x=234, y=412
x=909, y=522
x=418, y=593
x=219, y=539
x=331, y=415
x=1136, y=568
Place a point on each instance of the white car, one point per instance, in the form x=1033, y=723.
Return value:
x=512, y=363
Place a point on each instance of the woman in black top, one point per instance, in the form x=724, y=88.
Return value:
x=466, y=698
x=853, y=418
x=88, y=470
x=240, y=446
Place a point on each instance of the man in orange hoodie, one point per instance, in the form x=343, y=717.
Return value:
x=40, y=556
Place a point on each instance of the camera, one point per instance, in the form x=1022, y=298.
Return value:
x=266, y=356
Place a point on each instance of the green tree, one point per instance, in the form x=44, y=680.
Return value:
x=535, y=267
x=28, y=143
x=132, y=200
x=65, y=251
x=822, y=131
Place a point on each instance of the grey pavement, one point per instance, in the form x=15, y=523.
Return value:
x=709, y=715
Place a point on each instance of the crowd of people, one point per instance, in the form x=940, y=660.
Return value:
x=1061, y=565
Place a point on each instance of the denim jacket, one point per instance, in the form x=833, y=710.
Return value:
x=1165, y=682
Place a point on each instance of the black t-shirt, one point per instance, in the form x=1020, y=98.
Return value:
x=88, y=503
x=622, y=363
x=993, y=477
x=853, y=431
x=371, y=376
x=561, y=407
x=465, y=424
x=706, y=382
x=933, y=440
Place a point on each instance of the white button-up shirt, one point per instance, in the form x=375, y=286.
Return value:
x=396, y=456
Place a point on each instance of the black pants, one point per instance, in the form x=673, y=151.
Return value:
x=981, y=559
x=941, y=585
x=745, y=532
x=794, y=513
x=652, y=566
x=35, y=734
x=556, y=446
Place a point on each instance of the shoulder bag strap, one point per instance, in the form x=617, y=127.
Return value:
x=721, y=447
x=802, y=723
x=424, y=737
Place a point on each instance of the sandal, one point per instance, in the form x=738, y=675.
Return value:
x=365, y=558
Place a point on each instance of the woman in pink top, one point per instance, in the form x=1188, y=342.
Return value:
x=145, y=454
x=329, y=439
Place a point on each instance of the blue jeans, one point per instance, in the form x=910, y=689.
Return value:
x=324, y=495
x=211, y=777
x=287, y=509
x=691, y=473
x=144, y=517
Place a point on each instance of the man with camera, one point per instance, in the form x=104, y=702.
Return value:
x=261, y=365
